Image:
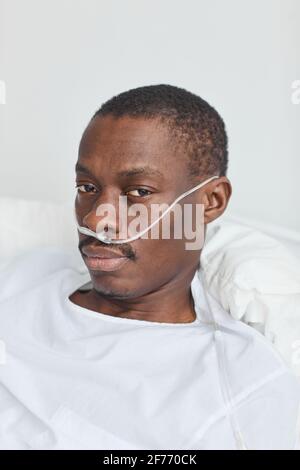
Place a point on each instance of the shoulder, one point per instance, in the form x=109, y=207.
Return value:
x=30, y=269
x=265, y=389
x=269, y=413
x=34, y=288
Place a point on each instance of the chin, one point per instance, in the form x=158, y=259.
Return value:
x=111, y=288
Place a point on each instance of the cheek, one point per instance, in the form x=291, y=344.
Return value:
x=159, y=260
x=157, y=263
x=84, y=204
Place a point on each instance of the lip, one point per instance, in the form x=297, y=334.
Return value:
x=102, y=259
x=104, y=264
x=99, y=252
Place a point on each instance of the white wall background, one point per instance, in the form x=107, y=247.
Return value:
x=61, y=59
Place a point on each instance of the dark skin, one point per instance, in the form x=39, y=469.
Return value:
x=154, y=285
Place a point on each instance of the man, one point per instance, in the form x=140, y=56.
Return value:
x=142, y=357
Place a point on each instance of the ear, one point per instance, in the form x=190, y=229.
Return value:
x=215, y=198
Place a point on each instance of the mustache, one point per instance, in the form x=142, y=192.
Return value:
x=124, y=250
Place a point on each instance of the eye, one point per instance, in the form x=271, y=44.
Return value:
x=85, y=188
x=142, y=192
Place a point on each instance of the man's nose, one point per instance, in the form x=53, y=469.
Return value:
x=104, y=214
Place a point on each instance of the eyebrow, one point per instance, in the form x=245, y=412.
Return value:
x=79, y=168
x=143, y=170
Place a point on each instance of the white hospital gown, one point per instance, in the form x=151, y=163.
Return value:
x=71, y=378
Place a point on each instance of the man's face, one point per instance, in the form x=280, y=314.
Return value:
x=114, y=150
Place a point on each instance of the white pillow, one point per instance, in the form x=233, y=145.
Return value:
x=257, y=280
x=26, y=224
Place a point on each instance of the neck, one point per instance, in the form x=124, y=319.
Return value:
x=171, y=303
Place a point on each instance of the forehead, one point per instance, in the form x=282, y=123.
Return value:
x=122, y=143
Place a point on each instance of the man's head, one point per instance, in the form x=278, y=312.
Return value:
x=151, y=144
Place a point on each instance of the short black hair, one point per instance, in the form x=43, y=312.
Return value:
x=198, y=128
